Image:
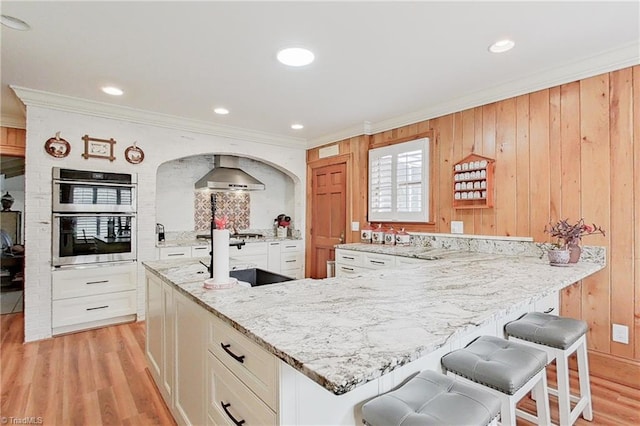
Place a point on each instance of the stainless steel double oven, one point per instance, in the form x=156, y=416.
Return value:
x=94, y=217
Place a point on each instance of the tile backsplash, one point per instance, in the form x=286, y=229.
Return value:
x=234, y=205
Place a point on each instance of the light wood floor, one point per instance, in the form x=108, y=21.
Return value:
x=99, y=377
x=89, y=378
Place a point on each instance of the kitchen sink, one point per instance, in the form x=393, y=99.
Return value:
x=257, y=276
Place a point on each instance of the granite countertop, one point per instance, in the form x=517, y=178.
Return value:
x=344, y=332
x=204, y=242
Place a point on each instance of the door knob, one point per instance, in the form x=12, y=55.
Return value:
x=342, y=237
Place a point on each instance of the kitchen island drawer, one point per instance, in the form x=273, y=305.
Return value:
x=290, y=261
x=230, y=402
x=254, y=366
x=86, y=309
x=91, y=281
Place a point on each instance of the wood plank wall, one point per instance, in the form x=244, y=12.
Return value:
x=12, y=141
x=569, y=151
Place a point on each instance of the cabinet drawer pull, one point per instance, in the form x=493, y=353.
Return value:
x=225, y=407
x=377, y=262
x=239, y=358
x=97, y=307
x=290, y=246
x=273, y=244
x=348, y=257
x=549, y=310
x=175, y=254
x=344, y=268
x=290, y=261
x=97, y=282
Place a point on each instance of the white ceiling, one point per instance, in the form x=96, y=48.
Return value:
x=378, y=64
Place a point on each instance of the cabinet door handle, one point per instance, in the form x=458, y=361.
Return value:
x=97, y=307
x=347, y=257
x=549, y=310
x=291, y=246
x=377, y=262
x=175, y=254
x=344, y=268
x=239, y=358
x=225, y=407
x=290, y=261
x=97, y=282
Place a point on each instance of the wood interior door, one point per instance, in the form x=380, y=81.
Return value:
x=328, y=215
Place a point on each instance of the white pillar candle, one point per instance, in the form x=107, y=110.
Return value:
x=220, y=246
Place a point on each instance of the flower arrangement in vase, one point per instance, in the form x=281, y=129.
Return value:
x=568, y=238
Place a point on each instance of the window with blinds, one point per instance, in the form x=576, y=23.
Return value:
x=398, y=182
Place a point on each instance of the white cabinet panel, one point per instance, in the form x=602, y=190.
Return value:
x=91, y=281
x=273, y=256
x=190, y=355
x=86, y=309
x=174, y=252
x=200, y=251
x=230, y=402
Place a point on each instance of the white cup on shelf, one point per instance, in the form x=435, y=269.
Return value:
x=457, y=196
x=465, y=166
x=483, y=184
x=458, y=167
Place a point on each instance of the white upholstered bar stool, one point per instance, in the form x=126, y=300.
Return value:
x=559, y=337
x=508, y=370
x=431, y=398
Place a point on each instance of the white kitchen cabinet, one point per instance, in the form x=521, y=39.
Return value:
x=550, y=304
x=230, y=402
x=159, y=335
x=175, y=252
x=292, y=258
x=92, y=297
x=256, y=253
x=273, y=256
x=190, y=361
x=201, y=250
x=378, y=261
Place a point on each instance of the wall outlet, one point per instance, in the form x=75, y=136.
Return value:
x=355, y=226
x=621, y=334
x=457, y=227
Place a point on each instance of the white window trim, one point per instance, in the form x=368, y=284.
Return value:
x=395, y=150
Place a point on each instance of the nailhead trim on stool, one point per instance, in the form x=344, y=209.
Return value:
x=431, y=398
x=559, y=337
x=509, y=370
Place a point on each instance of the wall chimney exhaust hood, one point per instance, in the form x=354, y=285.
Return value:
x=226, y=176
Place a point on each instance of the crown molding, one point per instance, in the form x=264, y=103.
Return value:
x=13, y=121
x=32, y=97
x=611, y=60
x=349, y=132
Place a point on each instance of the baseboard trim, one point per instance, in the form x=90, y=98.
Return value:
x=615, y=369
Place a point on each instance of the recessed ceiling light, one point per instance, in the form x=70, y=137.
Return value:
x=501, y=46
x=297, y=126
x=14, y=23
x=295, y=56
x=113, y=91
x=221, y=111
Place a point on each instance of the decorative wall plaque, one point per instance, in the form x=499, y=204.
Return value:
x=133, y=154
x=98, y=148
x=57, y=147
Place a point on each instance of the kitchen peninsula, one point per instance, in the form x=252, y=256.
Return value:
x=312, y=351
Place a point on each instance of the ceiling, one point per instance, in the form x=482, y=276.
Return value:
x=378, y=64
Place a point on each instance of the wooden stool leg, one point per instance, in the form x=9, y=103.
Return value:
x=583, y=375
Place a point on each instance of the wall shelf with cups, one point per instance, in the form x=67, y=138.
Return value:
x=473, y=179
